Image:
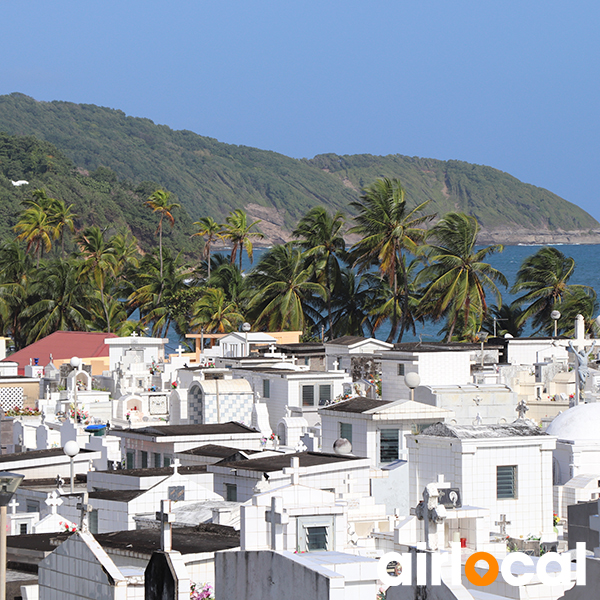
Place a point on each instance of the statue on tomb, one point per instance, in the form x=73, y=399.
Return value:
x=581, y=356
x=521, y=409
x=432, y=514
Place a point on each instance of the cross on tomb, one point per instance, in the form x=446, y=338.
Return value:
x=336, y=364
x=53, y=501
x=176, y=464
x=166, y=518
x=477, y=400
x=180, y=349
x=272, y=348
x=294, y=470
x=502, y=523
x=432, y=513
x=135, y=334
x=13, y=505
x=278, y=518
x=84, y=509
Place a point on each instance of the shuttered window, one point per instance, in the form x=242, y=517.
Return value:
x=346, y=431
x=506, y=482
x=388, y=445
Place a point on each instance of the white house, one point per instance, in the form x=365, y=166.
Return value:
x=344, y=352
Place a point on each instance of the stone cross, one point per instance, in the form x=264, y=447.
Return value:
x=166, y=518
x=278, y=518
x=521, y=409
x=134, y=334
x=294, y=470
x=431, y=513
x=272, y=348
x=13, y=505
x=176, y=464
x=502, y=523
x=180, y=349
x=84, y=509
x=336, y=364
x=53, y=501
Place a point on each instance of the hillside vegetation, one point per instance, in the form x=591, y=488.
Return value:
x=98, y=197
x=212, y=178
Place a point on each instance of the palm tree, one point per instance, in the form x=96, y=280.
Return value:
x=544, y=277
x=388, y=229
x=282, y=290
x=215, y=313
x=61, y=217
x=350, y=306
x=35, y=228
x=159, y=202
x=507, y=319
x=99, y=263
x=457, y=278
x=238, y=231
x=62, y=301
x=322, y=242
x=209, y=229
x=579, y=301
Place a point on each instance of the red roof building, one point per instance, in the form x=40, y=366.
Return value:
x=64, y=345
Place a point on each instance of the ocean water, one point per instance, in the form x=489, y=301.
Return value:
x=587, y=272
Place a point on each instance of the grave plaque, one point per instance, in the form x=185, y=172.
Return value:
x=177, y=493
x=450, y=497
x=158, y=405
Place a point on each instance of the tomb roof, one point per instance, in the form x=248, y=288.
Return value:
x=282, y=461
x=157, y=471
x=180, y=430
x=215, y=450
x=37, y=454
x=578, y=423
x=443, y=346
x=357, y=405
x=482, y=431
x=117, y=495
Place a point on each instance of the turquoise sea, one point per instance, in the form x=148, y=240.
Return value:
x=587, y=272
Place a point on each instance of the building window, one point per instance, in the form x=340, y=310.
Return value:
x=93, y=521
x=324, y=394
x=144, y=456
x=506, y=482
x=266, y=388
x=231, y=492
x=130, y=461
x=166, y=461
x=346, y=431
x=306, y=361
x=315, y=534
x=308, y=395
x=389, y=444
x=32, y=506
x=23, y=528
x=401, y=370
x=157, y=461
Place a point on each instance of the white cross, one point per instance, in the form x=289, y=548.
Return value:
x=134, y=334
x=502, y=523
x=278, y=518
x=166, y=518
x=336, y=364
x=53, y=501
x=294, y=470
x=180, y=349
x=272, y=348
x=13, y=506
x=176, y=464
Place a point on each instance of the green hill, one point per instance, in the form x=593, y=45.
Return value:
x=99, y=198
x=212, y=178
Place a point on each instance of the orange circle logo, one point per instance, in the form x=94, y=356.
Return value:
x=473, y=576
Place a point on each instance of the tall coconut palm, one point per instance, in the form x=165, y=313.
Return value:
x=457, y=277
x=544, y=278
x=61, y=216
x=320, y=237
x=99, y=263
x=35, y=228
x=215, y=313
x=62, y=301
x=350, y=306
x=282, y=290
x=211, y=231
x=389, y=229
x=160, y=202
x=238, y=231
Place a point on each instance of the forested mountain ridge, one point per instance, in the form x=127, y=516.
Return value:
x=98, y=197
x=213, y=178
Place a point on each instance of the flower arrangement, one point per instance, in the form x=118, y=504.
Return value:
x=203, y=592
x=380, y=594
x=174, y=385
x=82, y=415
x=555, y=519
x=273, y=437
x=16, y=411
x=153, y=368
x=68, y=526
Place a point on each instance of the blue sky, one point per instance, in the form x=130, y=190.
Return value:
x=513, y=85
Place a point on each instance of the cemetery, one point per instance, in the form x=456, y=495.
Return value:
x=264, y=467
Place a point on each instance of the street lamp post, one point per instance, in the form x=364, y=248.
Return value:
x=71, y=449
x=9, y=482
x=412, y=380
x=246, y=327
x=555, y=316
x=483, y=336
